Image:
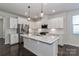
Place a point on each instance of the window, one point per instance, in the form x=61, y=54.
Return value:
x=75, y=23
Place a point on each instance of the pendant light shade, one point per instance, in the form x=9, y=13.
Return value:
x=29, y=13
x=42, y=13
x=28, y=18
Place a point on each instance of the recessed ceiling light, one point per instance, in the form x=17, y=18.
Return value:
x=53, y=10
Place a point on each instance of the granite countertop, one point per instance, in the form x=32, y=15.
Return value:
x=45, y=39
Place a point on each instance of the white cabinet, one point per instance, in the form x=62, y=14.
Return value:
x=13, y=22
x=40, y=48
x=60, y=22
x=56, y=23
x=60, y=41
x=22, y=20
x=13, y=38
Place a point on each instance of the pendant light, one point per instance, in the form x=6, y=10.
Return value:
x=42, y=13
x=29, y=13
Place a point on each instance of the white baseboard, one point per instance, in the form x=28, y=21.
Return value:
x=72, y=44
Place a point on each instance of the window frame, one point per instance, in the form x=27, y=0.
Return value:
x=74, y=25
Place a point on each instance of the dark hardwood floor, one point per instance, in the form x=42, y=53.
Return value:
x=19, y=50
x=68, y=50
x=14, y=50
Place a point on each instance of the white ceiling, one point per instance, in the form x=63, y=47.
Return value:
x=21, y=8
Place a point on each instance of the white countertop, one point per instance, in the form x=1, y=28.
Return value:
x=46, y=39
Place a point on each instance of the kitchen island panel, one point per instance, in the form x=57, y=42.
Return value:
x=40, y=48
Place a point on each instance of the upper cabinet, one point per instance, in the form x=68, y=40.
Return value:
x=22, y=20
x=56, y=22
x=13, y=22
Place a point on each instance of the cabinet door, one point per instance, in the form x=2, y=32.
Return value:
x=56, y=22
x=53, y=23
x=13, y=22
x=60, y=22
x=13, y=38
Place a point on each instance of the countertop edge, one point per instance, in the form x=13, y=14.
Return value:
x=25, y=36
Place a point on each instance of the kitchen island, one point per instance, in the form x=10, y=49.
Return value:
x=41, y=45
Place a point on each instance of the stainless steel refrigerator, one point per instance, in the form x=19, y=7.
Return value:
x=22, y=29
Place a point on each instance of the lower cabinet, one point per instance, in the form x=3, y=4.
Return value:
x=60, y=41
x=13, y=38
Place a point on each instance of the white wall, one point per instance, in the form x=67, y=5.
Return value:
x=1, y=28
x=70, y=38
